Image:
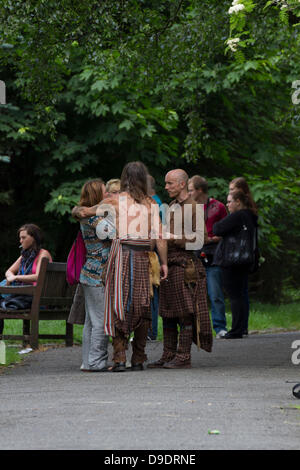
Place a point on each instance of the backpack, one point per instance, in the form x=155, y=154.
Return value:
x=16, y=302
x=76, y=260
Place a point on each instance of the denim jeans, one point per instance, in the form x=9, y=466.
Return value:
x=214, y=281
x=94, y=339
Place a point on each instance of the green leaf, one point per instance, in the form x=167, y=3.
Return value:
x=126, y=124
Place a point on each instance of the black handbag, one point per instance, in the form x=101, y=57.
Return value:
x=236, y=249
x=16, y=302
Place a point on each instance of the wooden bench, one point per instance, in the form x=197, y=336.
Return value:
x=52, y=300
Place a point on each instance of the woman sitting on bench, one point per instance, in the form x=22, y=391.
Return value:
x=25, y=269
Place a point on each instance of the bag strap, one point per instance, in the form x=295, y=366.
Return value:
x=75, y=254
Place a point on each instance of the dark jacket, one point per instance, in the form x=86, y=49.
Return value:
x=234, y=222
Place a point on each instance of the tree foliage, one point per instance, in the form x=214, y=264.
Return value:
x=202, y=85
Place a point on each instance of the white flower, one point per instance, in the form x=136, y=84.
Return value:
x=236, y=8
x=232, y=44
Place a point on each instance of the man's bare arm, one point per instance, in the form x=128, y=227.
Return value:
x=162, y=248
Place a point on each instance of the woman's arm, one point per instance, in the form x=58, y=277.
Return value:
x=28, y=278
x=12, y=271
x=230, y=223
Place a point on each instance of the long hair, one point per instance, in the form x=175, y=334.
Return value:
x=245, y=199
x=241, y=184
x=134, y=181
x=91, y=193
x=35, y=232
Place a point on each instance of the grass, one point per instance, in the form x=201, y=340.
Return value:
x=265, y=317
x=12, y=356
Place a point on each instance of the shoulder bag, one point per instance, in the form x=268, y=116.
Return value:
x=76, y=260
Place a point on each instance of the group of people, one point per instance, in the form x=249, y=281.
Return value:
x=130, y=273
x=242, y=211
x=121, y=275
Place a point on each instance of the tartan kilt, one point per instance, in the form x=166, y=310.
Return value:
x=178, y=299
x=136, y=291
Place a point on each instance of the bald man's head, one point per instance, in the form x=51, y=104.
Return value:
x=178, y=175
x=176, y=183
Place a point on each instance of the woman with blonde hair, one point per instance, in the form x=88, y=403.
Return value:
x=113, y=187
x=94, y=340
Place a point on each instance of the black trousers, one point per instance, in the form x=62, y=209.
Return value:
x=235, y=281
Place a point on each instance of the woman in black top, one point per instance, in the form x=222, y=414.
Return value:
x=235, y=278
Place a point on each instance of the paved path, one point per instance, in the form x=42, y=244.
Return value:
x=243, y=389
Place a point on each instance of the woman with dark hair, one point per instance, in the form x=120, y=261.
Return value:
x=25, y=269
x=94, y=340
x=235, y=278
x=241, y=184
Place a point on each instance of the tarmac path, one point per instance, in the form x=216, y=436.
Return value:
x=243, y=389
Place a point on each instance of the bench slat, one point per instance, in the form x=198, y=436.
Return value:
x=22, y=290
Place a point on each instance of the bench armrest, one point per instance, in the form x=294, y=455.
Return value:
x=23, y=290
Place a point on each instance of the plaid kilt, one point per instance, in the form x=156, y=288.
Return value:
x=136, y=290
x=178, y=299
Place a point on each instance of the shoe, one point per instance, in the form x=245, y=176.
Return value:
x=104, y=369
x=137, y=367
x=156, y=365
x=221, y=334
x=232, y=336
x=151, y=338
x=245, y=333
x=175, y=364
x=118, y=367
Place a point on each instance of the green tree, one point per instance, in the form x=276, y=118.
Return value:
x=93, y=84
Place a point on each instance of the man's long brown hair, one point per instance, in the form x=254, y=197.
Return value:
x=134, y=181
x=91, y=193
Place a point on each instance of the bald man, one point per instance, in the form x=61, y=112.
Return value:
x=183, y=298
